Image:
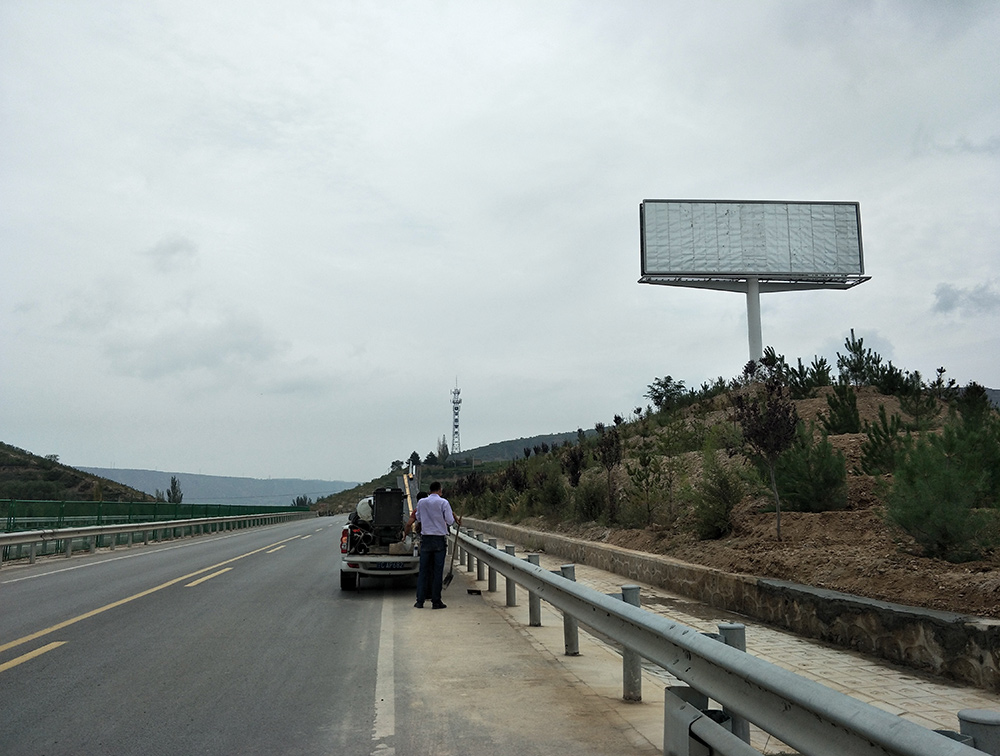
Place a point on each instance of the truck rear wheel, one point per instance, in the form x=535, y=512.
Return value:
x=348, y=581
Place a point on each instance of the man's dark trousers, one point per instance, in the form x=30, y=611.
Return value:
x=432, y=553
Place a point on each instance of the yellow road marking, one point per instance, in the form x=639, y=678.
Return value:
x=279, y=548
x=201, y=580
x=31, y=655
x=120, y=602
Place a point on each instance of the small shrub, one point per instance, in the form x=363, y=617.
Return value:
x=803, y=381
x=590, y=500
x=574, y=461
x=811, y=475
x=934, y=500
x=843, y=416
x=547, y=494
x=859, y=366
x=517, y=508
x=720, y=490
x=646, y=484
x=883, y=445
x=919, y=404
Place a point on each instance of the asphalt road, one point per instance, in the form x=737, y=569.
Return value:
x=240, y=643
x=243, y=643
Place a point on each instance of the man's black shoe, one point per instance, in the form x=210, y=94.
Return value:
x=419, y=605
x=439, y=605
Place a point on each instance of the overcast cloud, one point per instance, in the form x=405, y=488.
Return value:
x=260, y=239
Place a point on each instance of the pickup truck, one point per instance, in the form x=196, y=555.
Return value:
x=372, y=543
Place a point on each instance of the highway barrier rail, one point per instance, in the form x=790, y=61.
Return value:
x=31, y=543
x=808, y=716
x=35, y=514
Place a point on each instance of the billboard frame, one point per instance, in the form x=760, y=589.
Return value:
x=754, y=280
x=727, y=278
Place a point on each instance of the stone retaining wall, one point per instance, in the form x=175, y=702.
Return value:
x=961, y=647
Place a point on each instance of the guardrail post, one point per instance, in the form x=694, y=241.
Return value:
x=735, y=634
x=631, y=661
x=687, y=694
x=690, y=728
x=511, y=585
x=480, y=567
x=571, y=628
x=678, y=716
x=493, y=573
x=92, y=544
x=534, y=602
x=468, y=553
x=984, y=727
x=69, y=547
x=32, y=548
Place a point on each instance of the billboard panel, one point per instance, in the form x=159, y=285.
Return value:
x=735, y=238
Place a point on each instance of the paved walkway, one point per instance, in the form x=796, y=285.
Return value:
x=928, y=701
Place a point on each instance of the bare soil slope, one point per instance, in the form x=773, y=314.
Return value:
x=854, y=551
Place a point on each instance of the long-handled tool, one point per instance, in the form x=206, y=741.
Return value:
x=451, y=570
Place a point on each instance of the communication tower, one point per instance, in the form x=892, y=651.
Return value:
x=456, y=405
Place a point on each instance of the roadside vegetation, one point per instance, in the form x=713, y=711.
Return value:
x=681, y=466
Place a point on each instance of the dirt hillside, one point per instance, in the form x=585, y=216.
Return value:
x=854, y=551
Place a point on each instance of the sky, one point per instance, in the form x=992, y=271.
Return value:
x=269, y=239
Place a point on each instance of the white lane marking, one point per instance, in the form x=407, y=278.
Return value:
x=111, y=559
x=144, y=552
x=385, y=686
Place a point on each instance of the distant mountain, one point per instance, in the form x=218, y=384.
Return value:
x=217, y=489
x=24, y=475
x=505, y=451
x=994, y=395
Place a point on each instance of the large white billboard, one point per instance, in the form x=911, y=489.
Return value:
x=783, y=240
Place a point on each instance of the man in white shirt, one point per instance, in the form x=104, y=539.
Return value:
x=435, y=516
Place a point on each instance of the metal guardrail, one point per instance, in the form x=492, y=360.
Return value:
x=94, y=534
x=809, y=717
x=60, y=514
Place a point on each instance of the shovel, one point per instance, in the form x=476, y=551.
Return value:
x=451, y=570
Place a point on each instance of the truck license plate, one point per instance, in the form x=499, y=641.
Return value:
x=390, y=565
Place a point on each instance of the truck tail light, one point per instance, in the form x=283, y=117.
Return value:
x=343, y=541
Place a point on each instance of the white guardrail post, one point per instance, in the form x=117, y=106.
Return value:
x=511, y=585
x=804, y=714
x=734, y=634
x=631, y=661
x=571, y=627
x=534, y=602
x=492, y=587
x=480, y=566
x=691, y=729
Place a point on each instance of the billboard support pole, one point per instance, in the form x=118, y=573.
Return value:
x=753, y=318
x=747, y=246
